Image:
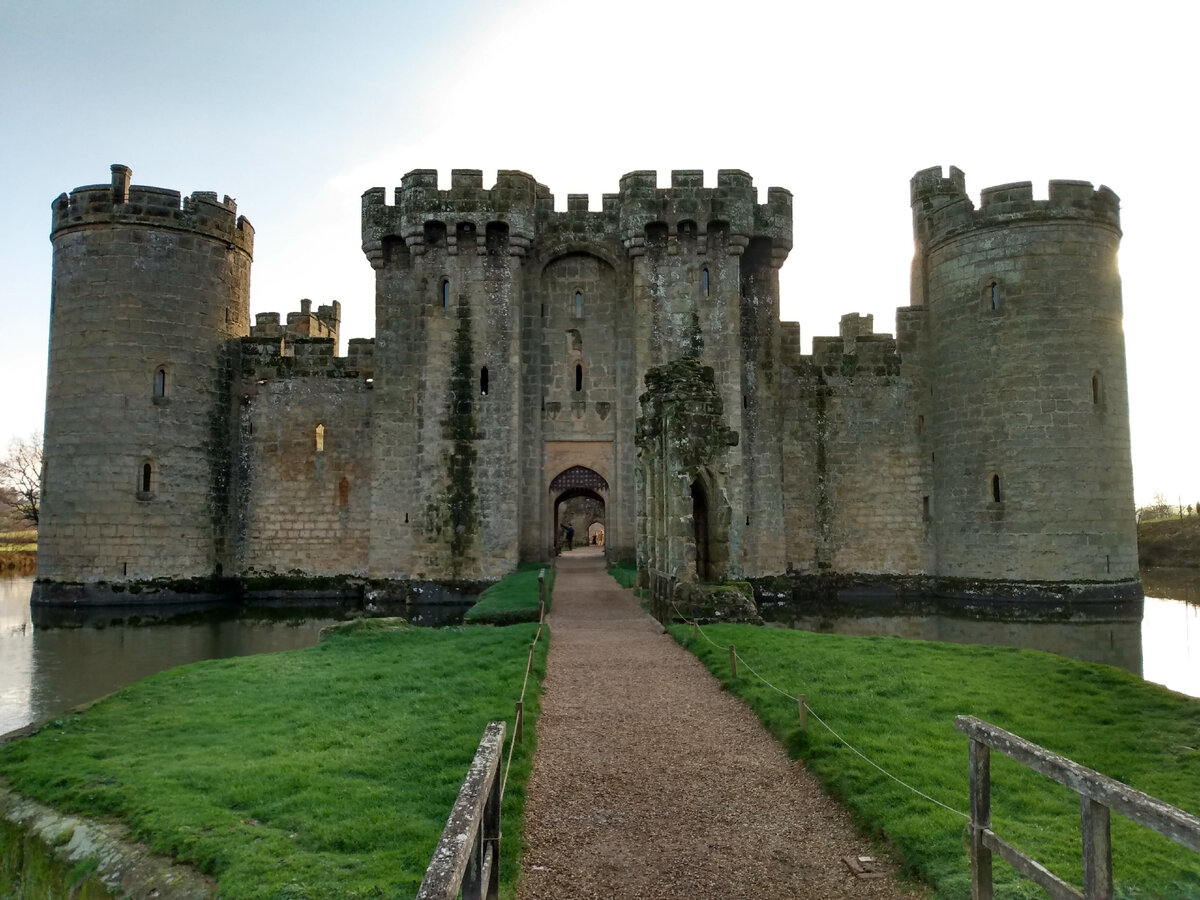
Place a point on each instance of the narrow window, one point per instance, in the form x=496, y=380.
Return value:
x=920, y=424
x=160, y=382
x=579, y=304
x=1097, y=388
x=406, y=518
x=704, y=282
x=578, y=377
x=925, y=508
x=995, y=488
x=344, y=492
x=483, y=381
x=994, y=295
x=146, y=473
x=320, y=438
x=445, y=293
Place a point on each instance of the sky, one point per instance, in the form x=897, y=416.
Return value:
x=295, y=108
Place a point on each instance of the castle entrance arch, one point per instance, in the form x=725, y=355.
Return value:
x=577, y=497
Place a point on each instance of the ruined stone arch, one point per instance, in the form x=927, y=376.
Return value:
x=710, y=520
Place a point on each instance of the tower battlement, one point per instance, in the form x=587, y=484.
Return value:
x=942, y=209
x=121, y=202
x=527, y=208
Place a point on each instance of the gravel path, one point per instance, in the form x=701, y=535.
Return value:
x=649, y=781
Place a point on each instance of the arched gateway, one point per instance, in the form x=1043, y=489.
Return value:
x=578, y=499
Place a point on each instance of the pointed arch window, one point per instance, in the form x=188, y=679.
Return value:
x=445, y=293
x=319, y=438
x=160, y=383
x=579, y=304
x=578, y=377
x=704, y=282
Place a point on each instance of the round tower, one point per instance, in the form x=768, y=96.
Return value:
x=147, y=293
x=1028, y=417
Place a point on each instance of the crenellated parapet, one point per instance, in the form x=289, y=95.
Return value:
x=122, y=203
x=267, y=358
x=639, y=215
x=687, y=208
x=942, y=209
x=423, y=215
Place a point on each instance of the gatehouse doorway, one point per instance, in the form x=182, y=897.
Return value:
x=578, y=502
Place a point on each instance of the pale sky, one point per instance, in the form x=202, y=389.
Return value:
x=295, y=108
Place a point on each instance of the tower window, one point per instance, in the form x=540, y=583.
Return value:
x=994, y=295
x=704, y=282
x=925, y=508
x=483, y=381
x=1097, y=389
x=995, y=488
x=160, y=383
x=579, y=304
x=578, y=377
x=145, y=482
x=344, y=492
x=319, y=435
x=445, y=293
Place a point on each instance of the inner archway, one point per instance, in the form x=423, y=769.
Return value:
x=579, y=508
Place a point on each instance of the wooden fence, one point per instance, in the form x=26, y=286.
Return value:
x=1098, y=795
x=467, y=858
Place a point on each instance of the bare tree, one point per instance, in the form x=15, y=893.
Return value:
x=21, y=477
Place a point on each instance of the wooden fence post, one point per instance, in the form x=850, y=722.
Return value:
x=541, y=596
x=733, y=660
x=1097, y=850
x=802, y=700
x=981, y=819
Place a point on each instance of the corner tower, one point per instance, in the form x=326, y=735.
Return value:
x=1027, y=404
x=146, y=292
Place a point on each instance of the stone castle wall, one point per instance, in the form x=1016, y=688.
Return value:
x=532, y=366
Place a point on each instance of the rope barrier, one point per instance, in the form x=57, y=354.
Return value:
x=519, y=715
x=802, y=699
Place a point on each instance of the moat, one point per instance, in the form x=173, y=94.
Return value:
x=46, y=670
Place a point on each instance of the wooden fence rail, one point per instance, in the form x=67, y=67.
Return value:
x=1098, y=795
x=467, y=858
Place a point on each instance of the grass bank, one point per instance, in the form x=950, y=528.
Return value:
x=1169, y=542
x=18, y=551
x=321, y=773
x=896, y=701
x=512, y=600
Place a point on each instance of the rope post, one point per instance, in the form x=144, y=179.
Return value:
x=733, y=660
x=802, y=699
x=518, y=727
x=541, y=596
x=695, y=629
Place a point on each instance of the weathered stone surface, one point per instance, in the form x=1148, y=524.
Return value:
x=987, y=441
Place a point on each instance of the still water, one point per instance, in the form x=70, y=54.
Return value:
x=45, y=671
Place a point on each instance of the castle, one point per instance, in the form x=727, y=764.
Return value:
x=624, y=368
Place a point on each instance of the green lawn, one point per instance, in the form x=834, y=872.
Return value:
x=896, y=701
x=320, y=773
x=512, y=600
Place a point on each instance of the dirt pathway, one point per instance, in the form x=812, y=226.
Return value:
x=651, y=782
